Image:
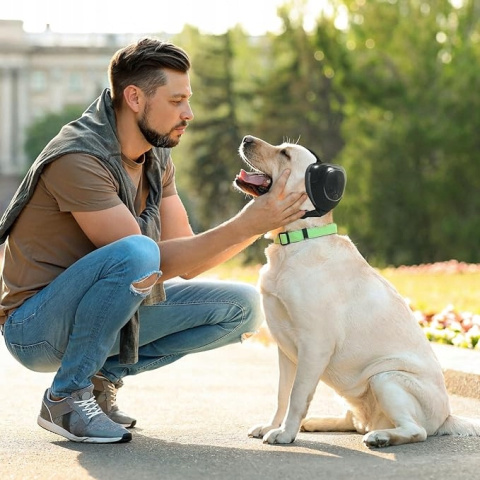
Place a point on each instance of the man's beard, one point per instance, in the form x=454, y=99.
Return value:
x=156, y=139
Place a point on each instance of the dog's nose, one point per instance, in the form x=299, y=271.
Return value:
x=247, y=139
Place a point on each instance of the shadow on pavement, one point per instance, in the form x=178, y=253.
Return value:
x=148, y=458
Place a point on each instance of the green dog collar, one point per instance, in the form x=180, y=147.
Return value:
x=285, y=238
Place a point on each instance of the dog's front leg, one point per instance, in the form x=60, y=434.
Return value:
x=287, y=375
x=309, y=370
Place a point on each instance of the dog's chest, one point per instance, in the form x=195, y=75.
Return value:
x=272, y=275
x=280, y=293
x=284, y=269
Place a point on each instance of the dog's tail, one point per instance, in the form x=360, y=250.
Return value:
x=455, y=425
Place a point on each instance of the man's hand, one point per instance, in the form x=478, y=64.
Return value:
x=273, y=209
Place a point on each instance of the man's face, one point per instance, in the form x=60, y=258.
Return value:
x=167, y=113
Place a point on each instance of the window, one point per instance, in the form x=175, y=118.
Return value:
x=39, y=81
x=75, y=82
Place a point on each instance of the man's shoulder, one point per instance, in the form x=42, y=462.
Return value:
x=80, y=174
x=73, y=163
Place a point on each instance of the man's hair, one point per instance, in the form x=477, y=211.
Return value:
x=143, y=64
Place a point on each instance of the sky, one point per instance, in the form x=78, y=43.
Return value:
x=150, y=16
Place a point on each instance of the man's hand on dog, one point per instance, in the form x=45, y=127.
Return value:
x=274, y=209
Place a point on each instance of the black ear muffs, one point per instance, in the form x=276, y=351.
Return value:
x=325, y=184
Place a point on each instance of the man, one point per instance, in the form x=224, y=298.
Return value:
x=86, y=234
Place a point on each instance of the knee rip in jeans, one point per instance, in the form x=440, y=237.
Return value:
x=144, y=285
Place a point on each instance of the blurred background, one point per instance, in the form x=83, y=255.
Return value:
x=390, y=89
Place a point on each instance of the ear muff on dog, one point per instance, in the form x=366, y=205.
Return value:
x=325, y=184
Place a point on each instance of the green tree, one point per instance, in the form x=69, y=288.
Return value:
x=218, y=127
x=456, y=180
x=300, y=100
x=401, y=143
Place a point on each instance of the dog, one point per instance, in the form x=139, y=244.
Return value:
x=335, y=319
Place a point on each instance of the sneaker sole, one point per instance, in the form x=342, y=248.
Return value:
x=124, y=424
x=54, y=428
x=122, y=419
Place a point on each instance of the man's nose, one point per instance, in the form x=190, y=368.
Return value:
x=188, y=114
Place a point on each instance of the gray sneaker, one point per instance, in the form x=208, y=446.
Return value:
x=80, y=419
x=105, y=393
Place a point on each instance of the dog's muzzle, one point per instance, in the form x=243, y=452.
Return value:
x=254, y=183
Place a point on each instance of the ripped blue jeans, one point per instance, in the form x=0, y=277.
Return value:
x=72, y=325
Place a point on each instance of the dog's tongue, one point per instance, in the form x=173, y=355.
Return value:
x=254, y=178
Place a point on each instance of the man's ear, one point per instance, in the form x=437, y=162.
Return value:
x=133, y=98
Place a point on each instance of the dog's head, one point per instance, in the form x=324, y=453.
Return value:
x=324, y=183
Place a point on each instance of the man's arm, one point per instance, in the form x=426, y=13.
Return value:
x=191, y=254
x=220, y=258
x=180, y=251
x=175, y=224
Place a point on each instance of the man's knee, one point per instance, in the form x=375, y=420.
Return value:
x=145, y=285
x=144, y=256
x=255, y=316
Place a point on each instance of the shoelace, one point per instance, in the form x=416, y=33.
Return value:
x=111, y=393
x=90, y=407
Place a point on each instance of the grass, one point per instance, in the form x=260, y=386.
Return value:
x=233, y=270
x=433, y=292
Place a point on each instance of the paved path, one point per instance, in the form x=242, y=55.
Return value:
x=193, y=418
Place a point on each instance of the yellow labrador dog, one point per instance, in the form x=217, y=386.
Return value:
x=336, y=320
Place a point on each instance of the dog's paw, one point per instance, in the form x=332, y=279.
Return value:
x=259, y=431
x=279, y=436
x=377, y=439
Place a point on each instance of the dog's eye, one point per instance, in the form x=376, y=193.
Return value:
x=285, y=153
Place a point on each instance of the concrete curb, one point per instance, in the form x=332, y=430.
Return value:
x=463, y=384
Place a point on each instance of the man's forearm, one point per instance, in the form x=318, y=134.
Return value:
x=190, y=256
x=220, y=258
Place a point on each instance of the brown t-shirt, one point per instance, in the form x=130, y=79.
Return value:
x=45, y=239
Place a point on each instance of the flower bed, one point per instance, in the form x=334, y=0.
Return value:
x=449, y=326
x=461, y=329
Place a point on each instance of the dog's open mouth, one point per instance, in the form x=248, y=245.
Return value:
x=253, y=183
